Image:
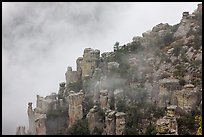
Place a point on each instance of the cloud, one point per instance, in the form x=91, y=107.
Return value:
x=39, y=41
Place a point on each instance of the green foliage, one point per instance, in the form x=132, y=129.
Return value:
x=112, y=103
x=131, y=131
x=151, y=130
x=197, y=42
x=198, y=17
x=56, y=113
x=132, y=114
x=124, y=69
x=87, y=104
x=135, y=46
x=176, y=50
x=159, y=112
x=165, y=58
x=180, y=71
x=132, y=119
x=196, y=81
x=174, y=28
x=121, y=105
x=182, y=82
x=79, y=128
x=167, y=38
x=198, y=119
x=196, y=63
x=186, y=124
x=75, y=86
x=97, y=131
x=101, y=114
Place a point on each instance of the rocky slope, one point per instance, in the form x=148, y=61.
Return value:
x=151, y=85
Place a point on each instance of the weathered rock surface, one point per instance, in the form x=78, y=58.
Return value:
x=75, y=107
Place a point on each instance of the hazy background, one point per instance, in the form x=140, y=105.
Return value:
x=39, y=41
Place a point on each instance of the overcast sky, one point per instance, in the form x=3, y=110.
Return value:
x=40, y=40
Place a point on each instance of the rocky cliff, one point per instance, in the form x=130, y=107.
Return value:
x=147, y=86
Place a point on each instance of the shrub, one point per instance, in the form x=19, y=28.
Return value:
x=176, y=50
x=186, y=124
x=135, y=46
x=79, y=128
x=168, y=38
x=121, y=105
x=174, y=28
x=180, y=71
x=159, y=112
x=75, y=86
x=151, y=130
x=182, y=82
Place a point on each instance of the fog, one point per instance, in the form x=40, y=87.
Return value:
x=40, y=40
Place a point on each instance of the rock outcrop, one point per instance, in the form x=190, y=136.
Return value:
x=104, y=99
x=43, y=105
x=40, y=124
x=75, y=107
x=188, y=98
x=168, y=124
x=161, y=69
x=31, y=119
x=120, y=123
x=110, y=122
x=90, y=61
x=94, y=120
x=71, y=76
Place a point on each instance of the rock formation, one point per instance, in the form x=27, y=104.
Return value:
x=120, y=123
x=168, y=124
x=167, y=87
x=110, y=122
x=75, y=107
x=71, y=76
x=40, y=124
x=46, y=104
x=90, y=61
x=61, y=91
x=160, y=69
x=93, y=119
x=188, y=97
x=31, y=119
x=79, y=65
x=104, y=99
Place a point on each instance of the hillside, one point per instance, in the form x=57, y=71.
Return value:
x=152, y=85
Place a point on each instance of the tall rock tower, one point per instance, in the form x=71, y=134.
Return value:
x=168, y=124
x=90, y=61
x=75, y=106
x=31, y=118
x=79, y=65
x=71, y=76
x=110, y=122
x=120, y=123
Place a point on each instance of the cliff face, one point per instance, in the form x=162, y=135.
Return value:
x=127, y=91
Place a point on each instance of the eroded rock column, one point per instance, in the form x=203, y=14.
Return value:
x=120, y=123
x=31, y=118
x=168, y=124
x=92, y=118
x=104, y=99
x=110, y=122
x=75, y=107
x=40, y=124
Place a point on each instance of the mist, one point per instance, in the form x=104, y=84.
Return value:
x=40, y=40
